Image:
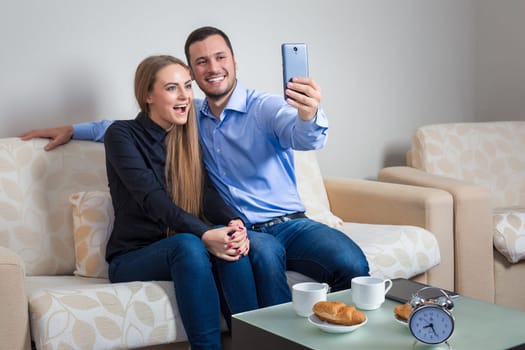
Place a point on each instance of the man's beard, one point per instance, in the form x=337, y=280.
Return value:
x=220, y=95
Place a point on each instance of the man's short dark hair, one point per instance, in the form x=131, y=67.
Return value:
x=202, y=33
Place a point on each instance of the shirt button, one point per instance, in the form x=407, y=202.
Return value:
x=218, y=150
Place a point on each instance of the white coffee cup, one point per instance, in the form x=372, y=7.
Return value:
x=306, y=294
x=368, y=293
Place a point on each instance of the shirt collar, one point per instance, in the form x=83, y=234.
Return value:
x=152, y=128
x=237, y=101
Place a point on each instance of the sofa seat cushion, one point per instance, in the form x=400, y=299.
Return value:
x=395, y=250
x=105, y=316
x=509, y=233
x=73, y=312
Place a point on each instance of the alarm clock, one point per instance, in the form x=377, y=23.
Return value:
x=431, y=321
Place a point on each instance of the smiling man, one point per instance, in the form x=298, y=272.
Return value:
x=248, y=138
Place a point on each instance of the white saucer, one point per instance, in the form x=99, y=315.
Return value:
x=333, y=328
x=400, y=320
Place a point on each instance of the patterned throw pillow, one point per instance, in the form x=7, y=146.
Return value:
x=312, y=191
x=93, y=218
x=509, y=233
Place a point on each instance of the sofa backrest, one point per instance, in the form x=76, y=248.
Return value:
x=490, y=154
x=35, y=185
x=35, y=214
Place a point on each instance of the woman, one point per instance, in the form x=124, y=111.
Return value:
x=164, y=205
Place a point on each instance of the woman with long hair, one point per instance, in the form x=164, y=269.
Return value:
x=170, y=222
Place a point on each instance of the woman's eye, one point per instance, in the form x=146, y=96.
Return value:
x=170, y=88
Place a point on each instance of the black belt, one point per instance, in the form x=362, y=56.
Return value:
x=278, y=220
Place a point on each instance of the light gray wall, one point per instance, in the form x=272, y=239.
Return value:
x=385, y=67
x=500, y=60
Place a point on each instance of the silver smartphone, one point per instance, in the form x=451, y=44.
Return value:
x=295, y=62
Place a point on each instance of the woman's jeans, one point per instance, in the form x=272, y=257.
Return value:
x=202, y=282
x=311, y=248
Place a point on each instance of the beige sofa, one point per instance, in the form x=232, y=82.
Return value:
x=56, y=215
x=482, y=165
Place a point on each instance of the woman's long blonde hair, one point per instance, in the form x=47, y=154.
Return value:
x=183, y=169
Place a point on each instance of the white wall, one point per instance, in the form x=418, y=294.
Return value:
x=385, y=67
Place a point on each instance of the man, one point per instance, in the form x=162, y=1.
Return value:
x=247, y=138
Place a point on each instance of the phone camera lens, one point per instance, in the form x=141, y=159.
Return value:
x=295, y=48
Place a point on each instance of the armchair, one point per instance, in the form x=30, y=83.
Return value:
x=482, y=165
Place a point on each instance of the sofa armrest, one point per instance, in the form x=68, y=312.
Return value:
x=376, y=202
x=14, y=318
x=473, y=236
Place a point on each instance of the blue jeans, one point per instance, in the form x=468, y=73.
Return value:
x=201, y=282
x=268, y=258
x=311, y=248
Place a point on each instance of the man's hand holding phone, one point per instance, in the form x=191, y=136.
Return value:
x=300, y=91
x=305, y=95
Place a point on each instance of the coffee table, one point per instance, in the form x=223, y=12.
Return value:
x=479, y=325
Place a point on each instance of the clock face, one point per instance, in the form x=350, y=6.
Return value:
x=431, y=324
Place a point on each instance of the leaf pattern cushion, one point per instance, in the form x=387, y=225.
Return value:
x=312, y=191
x=481, y=153
x=93, y=218
x=395, y=250
x=509, y=233
x=105, y=316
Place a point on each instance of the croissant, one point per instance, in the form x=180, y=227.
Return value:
x=403, y=311
x=337, y=312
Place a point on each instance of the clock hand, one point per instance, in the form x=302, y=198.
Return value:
x=431, y=326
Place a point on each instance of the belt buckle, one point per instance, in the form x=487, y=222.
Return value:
x=277, y=220
x=284, y=218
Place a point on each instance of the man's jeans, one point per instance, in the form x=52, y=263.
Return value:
x=311, y=248
x=201, y=282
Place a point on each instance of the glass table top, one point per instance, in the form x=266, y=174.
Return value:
x=478, y=325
